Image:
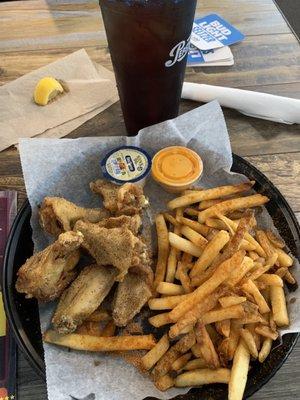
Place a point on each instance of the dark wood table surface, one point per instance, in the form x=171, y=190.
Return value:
x=34, y=33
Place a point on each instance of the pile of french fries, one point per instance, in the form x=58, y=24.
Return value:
x=219, y=282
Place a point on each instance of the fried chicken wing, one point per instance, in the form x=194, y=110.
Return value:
x=46, y=274
x=83, y=297
x=116, y=246
x=130, y=297
x=126, y=199
x=59, y=215
x=133, y=223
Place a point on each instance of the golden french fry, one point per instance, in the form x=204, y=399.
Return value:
x=249, y=341
x=271, y=280
x=160, y=320
x=198, y=363
x=194, y=236
x=99, y=315
x=196, y=350
x=228, y=346
x=267, y=332
x=275, y=240
x=169, y=217
x=231, y=205
x=265, y=349
x=228, y=301
x=281, y=271
x=219, y=276
x=208, y=203
x=253, y=255
x=223, y=327
x=182, y=275
x=164, y=365
x=239, y=372
x=262, y=269
x=211, y=250
x=166, y=303
x=238, y=274
x=278, y=303
x=217, y=224
x=264, y=242
x=192, y=212
x=200, y=228
x=250, y=287
x=171, y=265
x=284, y=259
x=207, y=347
x=98, y=343
x=155, y=354
x=191, y=317
x=163, y=249
x=181, y=362
x=169, y=289
x=245, y=245
x=109, y=329
x=90, y=328
x=289, y=278
x=209, y=194
x=164, y=383
x=184, y=245
x=236, y=311
x=202, y=377
x=256, y=336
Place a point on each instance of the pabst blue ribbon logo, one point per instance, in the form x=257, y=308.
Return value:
x=178, y=52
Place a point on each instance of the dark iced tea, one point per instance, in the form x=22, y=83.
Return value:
x=148, y=42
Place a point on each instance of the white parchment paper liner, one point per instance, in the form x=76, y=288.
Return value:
x=65, y=167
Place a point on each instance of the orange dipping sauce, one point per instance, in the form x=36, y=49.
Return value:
x=176, y=168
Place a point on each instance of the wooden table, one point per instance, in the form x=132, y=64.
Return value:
x=34, y=33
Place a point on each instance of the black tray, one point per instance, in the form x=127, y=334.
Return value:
x=23, y=314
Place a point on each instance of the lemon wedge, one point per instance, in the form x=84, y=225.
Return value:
x=46, y=89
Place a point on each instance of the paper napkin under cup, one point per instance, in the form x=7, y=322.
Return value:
x=254, y=104
x=92, y=89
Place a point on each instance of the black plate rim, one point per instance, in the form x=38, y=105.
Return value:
x=22, y=339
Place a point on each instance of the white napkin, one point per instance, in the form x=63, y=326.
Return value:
x=92, y=89
x=254, y=104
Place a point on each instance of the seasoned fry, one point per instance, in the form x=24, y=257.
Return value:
x=265, y=349
x=250, y=287
x=164, y=365
x=238, y=274
x=228, y=301
x=155, y=354
x=207, y=347
x=231, y=205
x=278, y=303
x=191, y=317
x=196, y=350
x=210, y=252
x=256, y=336
x=181, y=362
x=109, y=329
x=192, y=212
x=262, y=269
x=169, y=289
x=247, y=246
x=171, y=265
x=97, y=343
x=289, y=278
x=195, y=364
x=271, y=280
x=169, y=217
x=208, y=203
x=253, y=255
x=228, y=346
x=90, y=328
x=275, y=240
x=219, y=276
x=281, y=271
x=160, y=320
x=239, y=372
x=223, y=327
x=236, y=311
x=202, y=377
x=217, y=224
x=163, y=249
x=184, y=245
x=209, y=194
x=194, y=236
x=200, y=228
x=267, y=332
x=99, y=315
x=249, y=341
x=183, y=277
x=264, y=242
x=164, y=382
x=166, y=303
